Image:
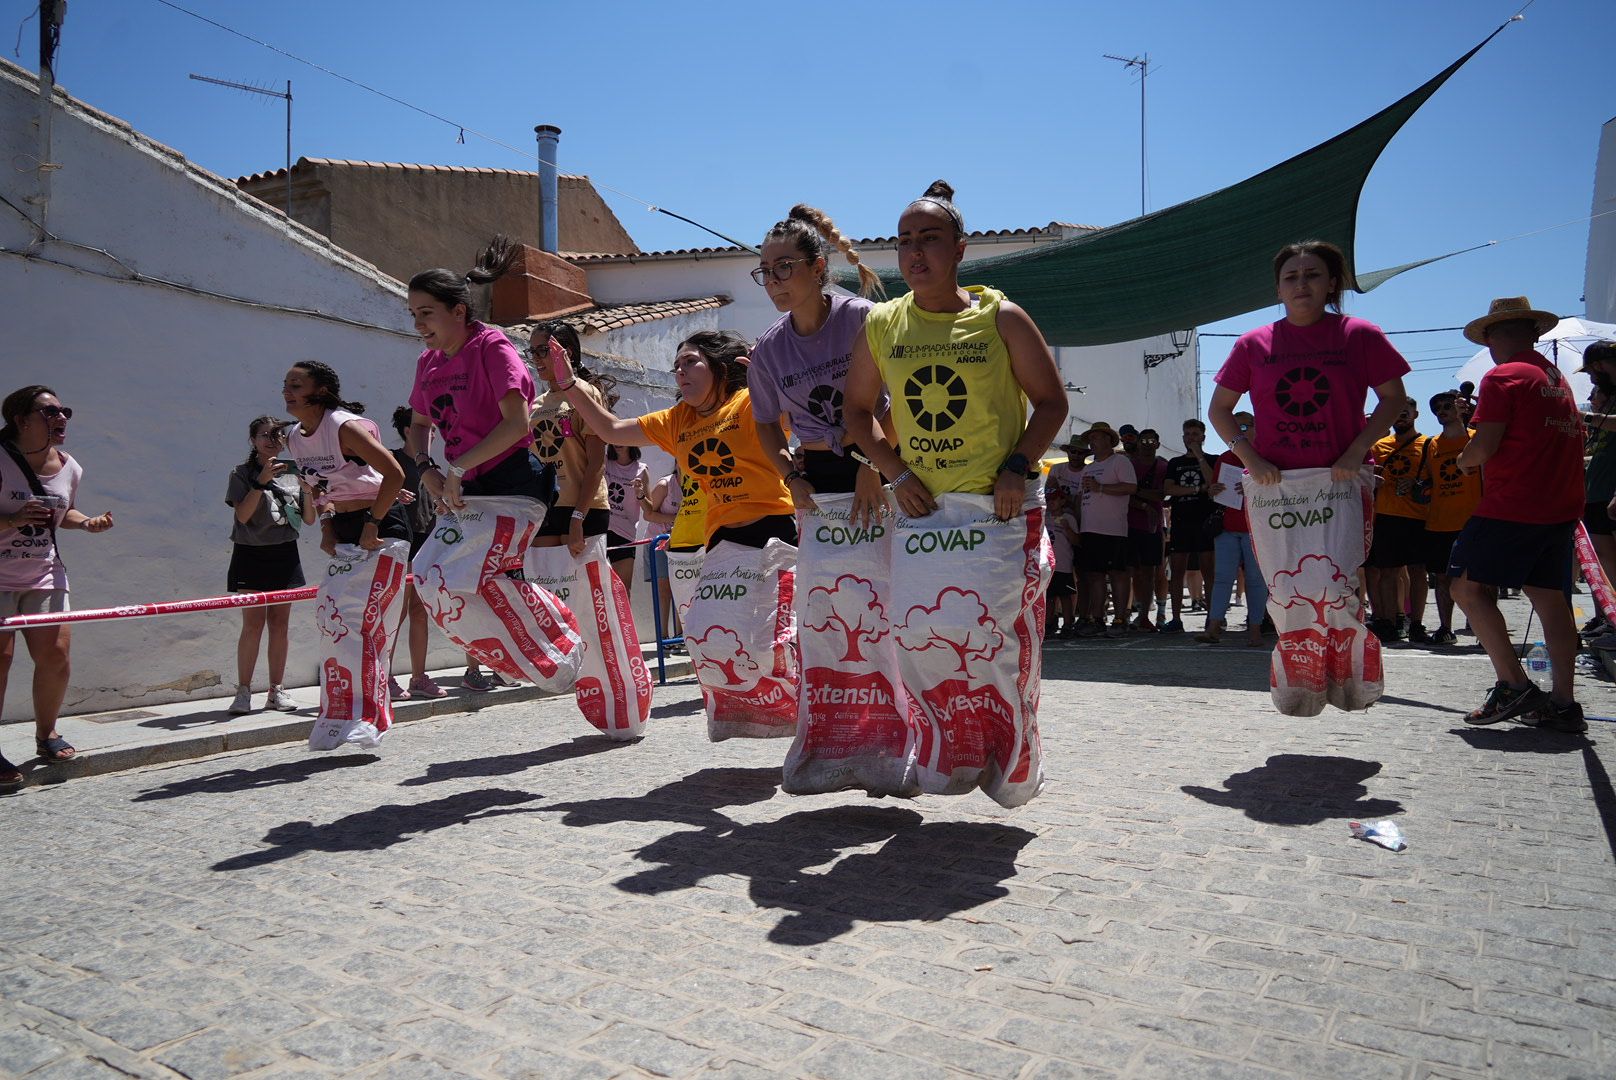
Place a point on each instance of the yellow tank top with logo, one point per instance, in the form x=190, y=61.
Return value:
x=956, y=406
x=690, y=522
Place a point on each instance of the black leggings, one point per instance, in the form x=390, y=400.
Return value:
x=830, y=473
x=759, y=533
x=348, y=526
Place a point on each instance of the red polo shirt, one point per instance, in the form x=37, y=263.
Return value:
x=1535, y=476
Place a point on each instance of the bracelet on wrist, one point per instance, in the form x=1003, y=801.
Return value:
x=866, y=462
x=457, y=472
x=907, y=474
x=795, y=474
x=577, y=515
x=567, y=387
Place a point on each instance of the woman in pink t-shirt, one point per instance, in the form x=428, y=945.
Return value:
x=473, y=388
x=38, y=486
x=1308, y=375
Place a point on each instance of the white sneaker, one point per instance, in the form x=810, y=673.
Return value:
x=280, y=700
x=243, y=703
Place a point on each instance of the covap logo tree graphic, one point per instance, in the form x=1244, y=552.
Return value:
x=722, y=649
x=936, y=395
x=850, y=608
x=1316, y=582
x=960, y=622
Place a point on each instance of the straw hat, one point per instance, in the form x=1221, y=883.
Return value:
x=1103, y=428
x=1504, y=309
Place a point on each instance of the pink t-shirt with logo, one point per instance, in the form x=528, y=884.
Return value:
x=1308, y=385
x=1107, y=515
x=461, y=393
x=28, y=558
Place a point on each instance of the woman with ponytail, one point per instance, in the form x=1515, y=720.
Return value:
x=799, y=364
x=472, y=386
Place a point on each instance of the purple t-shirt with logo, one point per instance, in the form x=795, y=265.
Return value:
x=1308, y=385
x=803, y=378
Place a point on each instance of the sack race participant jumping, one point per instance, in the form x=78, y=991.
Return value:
x=740, y=631
x=1310, y=534
x=471, y=579
x=852, y=717
x=361, y=603
x=967, y=607
x=614, y=685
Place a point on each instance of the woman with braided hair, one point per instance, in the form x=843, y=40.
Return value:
x=799, y=364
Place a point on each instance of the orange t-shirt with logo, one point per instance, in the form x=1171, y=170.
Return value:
x=721, y=451
x=1400, y=467
x=1454, y=494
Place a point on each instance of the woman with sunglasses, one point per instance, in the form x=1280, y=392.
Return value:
x=799, y=364
x=269, y=503
x=38, y=485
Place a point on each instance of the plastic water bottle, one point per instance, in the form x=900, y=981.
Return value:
x=1538, y=667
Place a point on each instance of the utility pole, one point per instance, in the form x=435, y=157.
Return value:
x=1143, y=64
x=51, y=14
x=285, y=95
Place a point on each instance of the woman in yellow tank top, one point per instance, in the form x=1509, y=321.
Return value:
x=962, y=366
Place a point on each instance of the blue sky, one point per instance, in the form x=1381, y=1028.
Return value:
x=730, y=112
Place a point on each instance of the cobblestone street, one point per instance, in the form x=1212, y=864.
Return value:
x=506, y=895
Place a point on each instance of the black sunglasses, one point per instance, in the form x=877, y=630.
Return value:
x=51, y=412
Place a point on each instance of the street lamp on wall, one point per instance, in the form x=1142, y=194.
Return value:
x=1181, y=341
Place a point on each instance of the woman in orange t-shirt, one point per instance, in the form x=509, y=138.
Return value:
x=711, y=434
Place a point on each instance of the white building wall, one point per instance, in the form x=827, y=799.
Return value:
x=163, y=382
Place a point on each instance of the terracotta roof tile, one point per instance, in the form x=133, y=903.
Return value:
x=402, y=167
x=1053, y=228
x=602, y=318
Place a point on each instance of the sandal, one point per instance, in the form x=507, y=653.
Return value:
x=55, y=748
x=10, y=775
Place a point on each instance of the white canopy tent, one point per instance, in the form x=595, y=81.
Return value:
x=1563, y=345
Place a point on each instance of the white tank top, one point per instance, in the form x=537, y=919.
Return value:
x=319, y=458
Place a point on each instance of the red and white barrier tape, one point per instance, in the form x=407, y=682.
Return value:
x=182, y=607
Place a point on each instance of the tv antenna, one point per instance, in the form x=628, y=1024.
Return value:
x=1143, y=64
x=285, y=95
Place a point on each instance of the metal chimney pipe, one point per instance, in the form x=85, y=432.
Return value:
x=549, y=188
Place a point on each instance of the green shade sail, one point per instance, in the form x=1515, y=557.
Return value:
x=1202, y=260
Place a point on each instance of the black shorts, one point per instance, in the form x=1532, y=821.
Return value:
x=1100, y=554
x=1189, y=536
x=759, y=533
x=830, y=472
x=618, y=546
x=1597, y=518
x=1144, y=548
x=1510, y=554
x=1439, y=550
x=348, y=525
x=519, y=474
x=1399, y=541
x=265, y=568
x=558, y=522
x=1062, y=583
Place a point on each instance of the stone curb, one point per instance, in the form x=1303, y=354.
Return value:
x=272, y=730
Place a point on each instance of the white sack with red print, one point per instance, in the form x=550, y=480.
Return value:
x=852, y=718
x=471, y=580
x=740, y=631
x=966, y=600
x=361, y=602
x=614, y=685
x=1310, y=534
x=684, y=574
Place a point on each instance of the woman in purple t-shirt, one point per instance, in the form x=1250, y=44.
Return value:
x=799, y=364
x=1309, y=375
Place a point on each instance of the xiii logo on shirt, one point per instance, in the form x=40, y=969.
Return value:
x=936, y=396
x=1302, y=391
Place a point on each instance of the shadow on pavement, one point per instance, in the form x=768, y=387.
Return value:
x=380, y=827
x=233, y=780
x=508, y=764
x=1387, y=699
x=922, y=871
x=690, y=800
x=1604, y=794
x=1521, y=740
x=1301, y=789
x=1207, y=667
x=694, y=707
